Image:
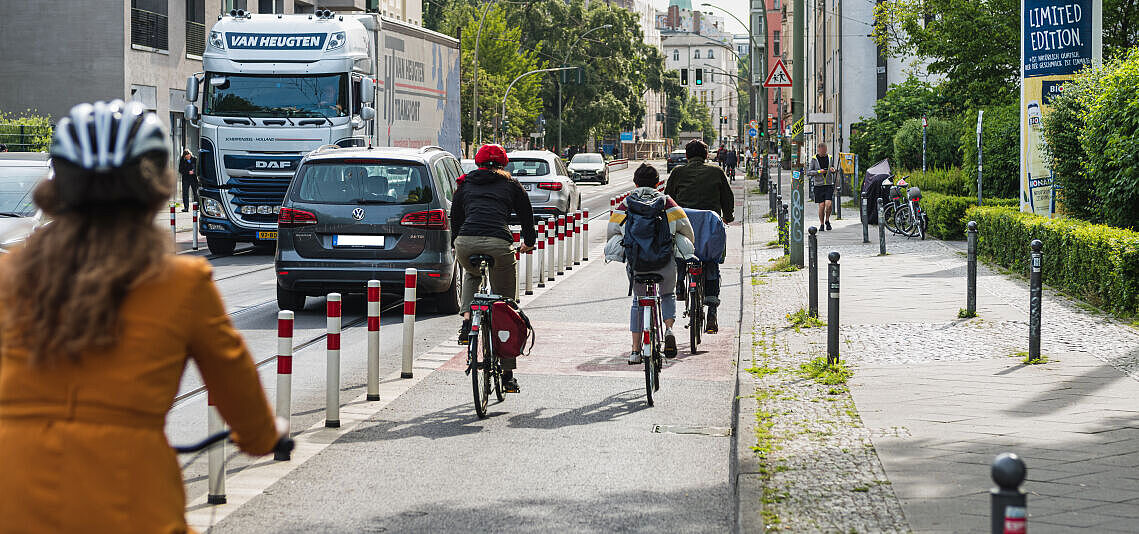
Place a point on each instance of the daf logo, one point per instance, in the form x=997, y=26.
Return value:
x=358, y=214
x=272, y=164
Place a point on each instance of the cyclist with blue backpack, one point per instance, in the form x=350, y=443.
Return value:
x=647, y=231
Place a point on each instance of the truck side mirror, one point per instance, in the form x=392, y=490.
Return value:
x=367, y=90
x=191, y=89
x=367, y=113
x=191, y=113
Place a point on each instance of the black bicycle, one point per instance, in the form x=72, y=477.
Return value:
x=652, y=331
x=483, y=365
x=283, y=450
x=694, y=305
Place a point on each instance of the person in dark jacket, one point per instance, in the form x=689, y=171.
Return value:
x=188, y=169
x=696, y=185
x=732, y=160
x=480, y=214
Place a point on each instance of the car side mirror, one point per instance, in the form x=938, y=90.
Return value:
x=191, y=89
x=367, y=113
x=191, y=113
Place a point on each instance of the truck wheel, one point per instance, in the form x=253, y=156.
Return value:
x=290, y=300
x=447, y=302
x=220, y=246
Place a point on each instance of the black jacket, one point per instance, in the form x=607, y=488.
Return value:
x=187, y=165
x=696, y=185
x=483, y=203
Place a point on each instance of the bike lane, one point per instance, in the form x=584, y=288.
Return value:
x=577, y=450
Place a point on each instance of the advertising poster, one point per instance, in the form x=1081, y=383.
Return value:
x=1058, y=38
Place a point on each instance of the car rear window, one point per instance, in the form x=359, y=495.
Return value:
x=528, y=167
x=16, y=186
x=365, y=182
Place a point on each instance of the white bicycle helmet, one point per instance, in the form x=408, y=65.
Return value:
x=108, y=135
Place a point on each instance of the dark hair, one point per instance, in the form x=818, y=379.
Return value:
x=696, y=149
x=646, y=176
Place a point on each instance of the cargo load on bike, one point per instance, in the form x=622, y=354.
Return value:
x=871, y=188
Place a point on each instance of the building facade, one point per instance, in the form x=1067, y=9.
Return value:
x=708, y=69
x=649, y=135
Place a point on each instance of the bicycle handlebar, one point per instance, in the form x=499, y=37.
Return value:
x=283, y=448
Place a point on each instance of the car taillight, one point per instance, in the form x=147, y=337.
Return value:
x=428, y=220
x=552, y=186
x=292, y=218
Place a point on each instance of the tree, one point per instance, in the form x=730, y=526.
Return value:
x=25, y=132
x=907, y=100
x=943, y=146
x=1120, y=26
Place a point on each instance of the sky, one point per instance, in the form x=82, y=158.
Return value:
x=738, y=8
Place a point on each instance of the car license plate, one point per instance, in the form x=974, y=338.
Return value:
x=527, y=187
x=339, y=240
x=267, y=235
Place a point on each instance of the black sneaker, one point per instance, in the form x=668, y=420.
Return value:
x=510, y=385
x=669, y=344
x=710, y=324
x=828, y=225
x=465, y=332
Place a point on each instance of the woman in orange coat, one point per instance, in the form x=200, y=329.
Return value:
x=97, y=320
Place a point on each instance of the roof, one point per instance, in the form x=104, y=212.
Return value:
x=415, y=154
x=531, y=154
x=689, y=39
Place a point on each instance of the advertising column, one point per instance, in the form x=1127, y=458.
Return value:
x=1058, y=38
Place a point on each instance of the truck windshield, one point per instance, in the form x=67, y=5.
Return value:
x=230, y=95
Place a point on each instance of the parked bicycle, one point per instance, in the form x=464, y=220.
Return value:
x=898, y=214
x=694, y=305
x=652, y=331
x=487, y=369
x=920, y=222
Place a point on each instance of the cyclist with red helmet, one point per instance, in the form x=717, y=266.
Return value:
x=480, y=218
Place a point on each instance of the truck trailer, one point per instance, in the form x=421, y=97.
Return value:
x=276, y=87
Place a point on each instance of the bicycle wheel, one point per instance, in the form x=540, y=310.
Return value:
x=889, y=215
x=906, y=222
x=648, y=352
x=693, y=319
x=658, y=350
x=496, y=375
x=480, y=369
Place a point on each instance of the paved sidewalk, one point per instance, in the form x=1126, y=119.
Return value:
x=938, y=397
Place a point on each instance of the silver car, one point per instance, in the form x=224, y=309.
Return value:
x=20, y=173
x=589, y=166
x=546, y=180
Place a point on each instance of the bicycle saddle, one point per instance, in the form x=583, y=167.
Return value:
x=648, y=278
x=476, y=259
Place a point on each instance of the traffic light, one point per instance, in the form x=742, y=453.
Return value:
x=683, y=76
x=699, y=76
x=573, y=75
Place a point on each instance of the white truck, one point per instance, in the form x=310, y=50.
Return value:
x=276, y=87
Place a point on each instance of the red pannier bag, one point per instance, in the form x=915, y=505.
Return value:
x=510, y=328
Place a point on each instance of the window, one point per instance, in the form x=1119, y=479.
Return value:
x=697, y=56
x=149, y=23
x=775, y=43
x=683, y=76
x=676, y=54
x=195, y=27
x=775, y=4
x=270, y=6
x=528, y=167
x=710, y=54
x=312, y=96
x=372, y=182
x=235, y=4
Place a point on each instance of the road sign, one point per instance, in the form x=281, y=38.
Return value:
x=778, y=77
x=752, y=132
x=753, y=124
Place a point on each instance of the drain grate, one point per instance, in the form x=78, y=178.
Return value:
x=715, y=431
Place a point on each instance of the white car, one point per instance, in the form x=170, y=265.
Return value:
x=20, y=173
x=589, y=166
x=546, y=180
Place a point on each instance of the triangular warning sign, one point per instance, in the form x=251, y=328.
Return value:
x=778, y=77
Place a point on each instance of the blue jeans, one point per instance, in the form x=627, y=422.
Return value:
x=666, y=290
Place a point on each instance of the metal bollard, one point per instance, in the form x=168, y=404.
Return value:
x=173, y=228
x=832, y=309
x=332, y=364
x=1035, y=293
x=215, y=458
x=578, y=246
x=541, y=243
x=284, y=369
x=881, y=230
x=551, y=253
x=569, y=246
x=529, y=268
x=517, y=256
x=195, y=229
x=1008, y=503
x=865, y=222
x=785, y=229
x=838, y=198
x=772, y=202
x=373, y=340
x=409, y=280
x=585, y=235
x=561, y=244
x=813, y=272
x=971, y=276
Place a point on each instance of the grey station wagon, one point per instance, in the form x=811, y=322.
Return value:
x=357, y=214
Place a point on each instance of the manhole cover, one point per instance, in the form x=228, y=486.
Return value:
x=717, y=431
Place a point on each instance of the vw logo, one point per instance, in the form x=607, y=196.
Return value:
x=358, y=214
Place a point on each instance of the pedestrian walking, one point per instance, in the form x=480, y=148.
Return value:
x=822, y=184
x=3, y=147
x=188, y=169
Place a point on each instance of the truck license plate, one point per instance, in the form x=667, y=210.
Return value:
x=268, y=234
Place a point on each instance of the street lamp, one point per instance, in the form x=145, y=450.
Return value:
x=519, y=77
x=564, y=62
x=475, y=88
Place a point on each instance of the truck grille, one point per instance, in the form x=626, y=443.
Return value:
x=257, y=191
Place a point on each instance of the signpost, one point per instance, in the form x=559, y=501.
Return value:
x=779, y=78
x=796, y=224
x=980, y=113
x=924, y=126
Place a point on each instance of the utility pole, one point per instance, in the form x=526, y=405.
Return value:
x=798, y=82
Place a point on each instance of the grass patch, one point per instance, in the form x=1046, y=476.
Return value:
x=773, y=243
x=1023, y=355
x=783, y=264
x=829, y=375
x=801, y=319
x=769, y=218
x=757, y=281
x=860, y=489
x=760, y=372
x=962, y=313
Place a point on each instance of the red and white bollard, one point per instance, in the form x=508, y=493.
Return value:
x=373, y=340
x=284, y=369
x=195, y=230
x=551, y=255
x=569, y=242
x=585, y=235
x=577, y=245
x=561, y=244
x=528, y=267
x=517, y=256
x=215, y=458
x=409, y=279
x=332, y=364
x=541, y=243
x=173, y=227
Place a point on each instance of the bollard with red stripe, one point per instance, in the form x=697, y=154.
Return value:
x=373, y=340
x=568, y=249
x=585, y=235
x=332, y=364
x=551, y=256
x=561, y=244
x=577, y=244
x=541, y=243
x=173, y=228
x=215, y=458
x=195, y=226
x=409, y=280
x=284, y=369
x=528, y=267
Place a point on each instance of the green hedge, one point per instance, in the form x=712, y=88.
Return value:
x=1097, y=263
x=946, y=213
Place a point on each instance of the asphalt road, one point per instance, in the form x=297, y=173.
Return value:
x=576, y=450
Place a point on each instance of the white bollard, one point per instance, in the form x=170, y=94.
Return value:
x=551, y=254
x=561, y=245
x=332, y=364
x=585, y=235
x=517, y=256
x=284, y=369
x=529, y=268
x=195, y=229
x=409, y=279
x=173, y=227
x=215, y=458
x=373, y=340
x=577, y=246
x=541, y=244
x=567, y=249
